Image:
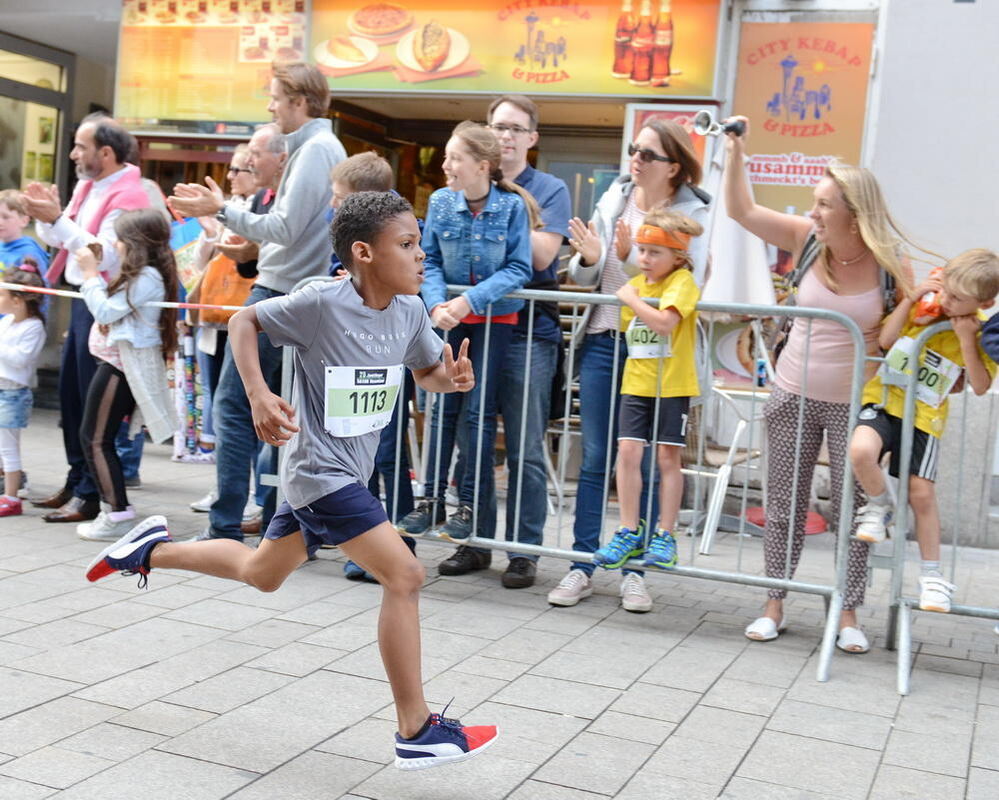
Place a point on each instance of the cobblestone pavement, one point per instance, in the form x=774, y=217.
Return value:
x=202, y=688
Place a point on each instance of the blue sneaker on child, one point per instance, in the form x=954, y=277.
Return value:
x=625, y=544
x=130, y=554
x=442, y=741
x=353, y=571
x=661, y=551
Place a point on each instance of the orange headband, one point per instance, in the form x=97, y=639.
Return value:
x=651, y=234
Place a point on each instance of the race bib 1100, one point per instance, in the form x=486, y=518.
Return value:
x=936, y=374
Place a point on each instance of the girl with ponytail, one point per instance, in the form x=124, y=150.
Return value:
x=477, y=234
x=130, y=340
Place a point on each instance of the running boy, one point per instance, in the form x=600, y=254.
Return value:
x=352, y=340
x=660, y=373
x=968, y=284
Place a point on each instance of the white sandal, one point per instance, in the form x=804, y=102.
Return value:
x=765, y=629
x=853, y=641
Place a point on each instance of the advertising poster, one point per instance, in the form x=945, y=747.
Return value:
x=803, y=86
x=658, y=48
x=203, y=65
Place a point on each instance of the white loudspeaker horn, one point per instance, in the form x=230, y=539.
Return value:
x=706, y=125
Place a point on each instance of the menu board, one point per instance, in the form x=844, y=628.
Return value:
x=650, y=48
x=203, y=65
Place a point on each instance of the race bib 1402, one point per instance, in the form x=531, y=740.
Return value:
x=643, y=342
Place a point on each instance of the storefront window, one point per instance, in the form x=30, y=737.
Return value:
x=33, y=71
x=28, y=136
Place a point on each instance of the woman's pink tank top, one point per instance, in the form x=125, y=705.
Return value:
x=828, y=345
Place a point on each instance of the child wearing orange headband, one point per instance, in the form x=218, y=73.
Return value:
x=660, y=377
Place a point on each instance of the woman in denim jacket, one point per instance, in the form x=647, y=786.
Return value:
x=477, y=234
x=663, y=171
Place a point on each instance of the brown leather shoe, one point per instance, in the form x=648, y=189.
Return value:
x=251, y=527
x=57, y=500
x=76, y=510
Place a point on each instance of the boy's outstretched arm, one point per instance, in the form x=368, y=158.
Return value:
x=272, y=415
x=966, y=328
x=450, y=375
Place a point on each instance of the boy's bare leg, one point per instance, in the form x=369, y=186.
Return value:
x=264, y=568
x=384, y=554
x=923, y=501
x=670, y=485
x=865, y=452
x=629, y=481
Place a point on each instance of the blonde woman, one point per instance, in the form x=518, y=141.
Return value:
x=477, y=234
x=850, y=258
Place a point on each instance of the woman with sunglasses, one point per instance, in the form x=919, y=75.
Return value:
x=663, y=172
x=849, y=257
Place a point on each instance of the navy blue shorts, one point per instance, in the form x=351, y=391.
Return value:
x=333, y=519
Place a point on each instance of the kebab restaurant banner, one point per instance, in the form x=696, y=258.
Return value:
x=203, y=62
x=630, y=47
x=803, y=86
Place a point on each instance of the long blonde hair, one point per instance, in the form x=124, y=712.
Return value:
x=483, y=145
x=879, y=231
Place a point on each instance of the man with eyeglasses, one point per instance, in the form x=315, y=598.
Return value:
x=514, y=120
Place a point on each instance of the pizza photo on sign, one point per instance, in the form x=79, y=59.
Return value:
x=345, y=52
x=380, y=20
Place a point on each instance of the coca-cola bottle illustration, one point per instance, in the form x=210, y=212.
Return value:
x=662, y=45
x=623, y=55
x=641, y=47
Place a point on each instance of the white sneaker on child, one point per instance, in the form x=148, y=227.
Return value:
x=105, y=529
x=634, y=596
x=873, y=521
x=935, y=593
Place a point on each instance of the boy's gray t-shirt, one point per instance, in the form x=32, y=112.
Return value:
x=329, y=326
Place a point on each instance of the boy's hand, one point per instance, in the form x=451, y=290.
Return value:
x=627, y=293
x=460, y=370
x=272, y=419
x=931, y=284
x=966, y=327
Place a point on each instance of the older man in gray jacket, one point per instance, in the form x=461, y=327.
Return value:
x=294, y=244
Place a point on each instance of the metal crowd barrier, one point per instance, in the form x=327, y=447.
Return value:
x=705, y=520
x=901, y=605
x=832, y=592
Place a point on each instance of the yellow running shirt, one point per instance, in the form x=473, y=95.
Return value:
x=940, y=366
x=646, y=350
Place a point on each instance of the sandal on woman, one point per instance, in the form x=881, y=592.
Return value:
x=852, y=641
x=765, y=629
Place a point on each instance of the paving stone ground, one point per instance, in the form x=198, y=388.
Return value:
x=202, y=688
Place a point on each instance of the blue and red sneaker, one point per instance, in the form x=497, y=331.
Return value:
x=130, y=554
x=442, y=741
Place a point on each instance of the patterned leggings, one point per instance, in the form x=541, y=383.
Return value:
x=833, y=419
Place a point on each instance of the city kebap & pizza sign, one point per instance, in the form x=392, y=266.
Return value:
x=803, y=86
x=627, y=47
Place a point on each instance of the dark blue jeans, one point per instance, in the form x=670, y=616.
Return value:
x=236, y=442
x=76, y=370
x=398, y=493
x=525, y=520
x=129, y=450
x=599, y=390
x=448, y=416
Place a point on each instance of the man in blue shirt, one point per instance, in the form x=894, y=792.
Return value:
x=514, y=120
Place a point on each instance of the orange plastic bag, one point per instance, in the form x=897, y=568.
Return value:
x=221, y=285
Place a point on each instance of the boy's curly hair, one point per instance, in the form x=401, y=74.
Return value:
x=361, y=218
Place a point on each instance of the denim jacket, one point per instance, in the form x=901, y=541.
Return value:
x=128, y=319
x=491, y=250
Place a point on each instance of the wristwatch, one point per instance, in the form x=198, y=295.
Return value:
x=220, y=215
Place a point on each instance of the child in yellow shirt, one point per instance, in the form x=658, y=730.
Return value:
x=969, y=283
x=660, y=377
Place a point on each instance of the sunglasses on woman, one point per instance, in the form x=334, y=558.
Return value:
x=647, y=155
